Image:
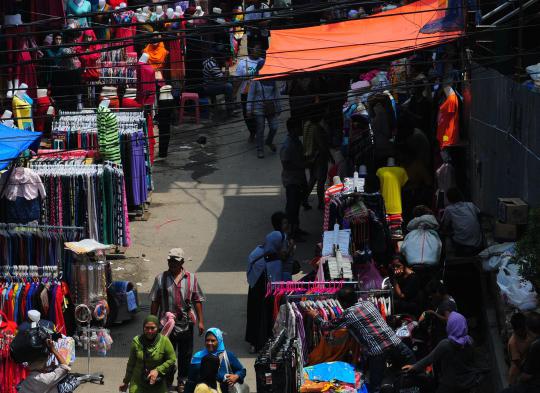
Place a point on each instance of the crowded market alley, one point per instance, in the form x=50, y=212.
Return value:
x=272, y=196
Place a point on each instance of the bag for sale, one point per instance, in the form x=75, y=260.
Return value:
x=422, y=245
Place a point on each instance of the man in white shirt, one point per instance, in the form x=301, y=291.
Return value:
x=258, y=32
x=245, y=70
x=461, y=218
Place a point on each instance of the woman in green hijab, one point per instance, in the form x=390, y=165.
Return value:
x=151, y=358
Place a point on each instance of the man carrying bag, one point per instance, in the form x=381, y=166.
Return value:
x=177, y=291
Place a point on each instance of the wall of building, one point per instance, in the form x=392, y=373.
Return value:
x=504, y=134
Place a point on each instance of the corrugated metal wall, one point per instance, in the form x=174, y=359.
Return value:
x=504, y=139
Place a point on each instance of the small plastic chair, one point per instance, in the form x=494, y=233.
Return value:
x=189, y=97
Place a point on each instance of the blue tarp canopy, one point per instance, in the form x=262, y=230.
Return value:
x=14, y=141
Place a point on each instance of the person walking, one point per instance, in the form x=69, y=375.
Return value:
x=317, y=155
x=151, y=359
x=230, y=371
x=367, y=326
x=263, y=103
x=177, y=291
x=245, y=70
x=293, y=177
x=256, y=20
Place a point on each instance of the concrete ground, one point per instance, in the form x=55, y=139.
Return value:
x=215, y=202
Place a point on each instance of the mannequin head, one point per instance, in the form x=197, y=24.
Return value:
x=13, y=20
x=179, y=11
x=391, y=161
x=362, y=171
x=159, y=10
x=146, y=9
x=143, y=58
x=123, y=5
x=105, y=102
x=130, y=93
x=198, y=11
x=7, y=115
x=165, y=93
x=41, y=93
x=34, y=315
x=22, y=90
x=170, y=13
x=336, y=180
x=102, y=3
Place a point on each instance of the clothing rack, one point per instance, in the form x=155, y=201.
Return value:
x=12, y=226
x=295, y=286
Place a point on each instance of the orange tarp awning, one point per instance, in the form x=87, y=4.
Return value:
x=334, y=45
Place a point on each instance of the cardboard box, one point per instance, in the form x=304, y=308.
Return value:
x=513, y=211
x=506, y=232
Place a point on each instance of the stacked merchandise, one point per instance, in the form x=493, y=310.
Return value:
x=276, y=366
x=116, y=66
x=11, y=373
x=89, y=196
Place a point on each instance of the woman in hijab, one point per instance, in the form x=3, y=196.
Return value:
x=151, y=358
x=455, y=354
x=207, y=378
x=157, y=54
x=267, y=262
x=230, y=369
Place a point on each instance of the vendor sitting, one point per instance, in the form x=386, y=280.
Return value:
x=407, y=287
x=42, y=379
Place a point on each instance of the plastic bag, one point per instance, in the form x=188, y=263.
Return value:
x=518, y=291
x=495, y=256
x=369, y=276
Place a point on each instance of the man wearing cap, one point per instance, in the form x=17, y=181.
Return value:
x=183, y=298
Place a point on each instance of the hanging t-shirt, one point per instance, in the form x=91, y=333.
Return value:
x=392, y=178
x=109, y=143
x=448, y=122
x=23, y=113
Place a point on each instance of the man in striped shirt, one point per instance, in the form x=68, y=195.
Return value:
x=365, y=323
x=215, y=82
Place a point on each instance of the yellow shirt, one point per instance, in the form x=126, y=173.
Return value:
x=23, y=114
x=392, y=178
x=204, y=388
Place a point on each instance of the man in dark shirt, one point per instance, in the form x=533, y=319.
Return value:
x=293, y=177
x=529, y=378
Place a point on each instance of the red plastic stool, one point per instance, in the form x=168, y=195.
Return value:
x=193, y=97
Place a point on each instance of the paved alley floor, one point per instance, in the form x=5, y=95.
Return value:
x=215, y=202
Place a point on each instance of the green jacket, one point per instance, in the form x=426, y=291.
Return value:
x=161, y=357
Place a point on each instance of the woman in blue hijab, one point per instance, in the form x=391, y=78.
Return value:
x=230, y=371
x=267, y=262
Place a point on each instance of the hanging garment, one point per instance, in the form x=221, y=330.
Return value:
x=448, y=121
x=42, y=119
x=22, y=109
x=176, y=59
x=107, y=125
x=392, y=180
x=100, y=22
x=146, y=84
x=157, y=55
x=89, y=61
x=76, y=8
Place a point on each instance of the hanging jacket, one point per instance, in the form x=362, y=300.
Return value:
x=89, y=61
x=422, y=245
